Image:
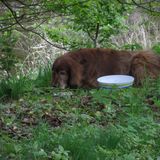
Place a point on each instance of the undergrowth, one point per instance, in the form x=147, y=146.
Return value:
x=75, y=124
x=15, y=87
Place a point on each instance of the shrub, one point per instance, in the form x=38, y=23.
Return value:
x=132, y=47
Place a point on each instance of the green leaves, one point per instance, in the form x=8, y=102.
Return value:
x=60, y=154
x=107, y=15
x=95, y=20
x=156, y=48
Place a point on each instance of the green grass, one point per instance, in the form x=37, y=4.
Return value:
x=44, y=77
x=14, y=87
x=85, y=142
x=48, y=123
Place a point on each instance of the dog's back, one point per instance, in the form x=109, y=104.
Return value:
x=84, y=66
x=145, y=64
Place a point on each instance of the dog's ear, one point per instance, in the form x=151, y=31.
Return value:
x=75, y=70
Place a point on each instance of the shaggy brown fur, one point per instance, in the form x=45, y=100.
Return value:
x=81, y=68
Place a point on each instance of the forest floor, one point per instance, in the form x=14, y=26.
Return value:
x=98, y=124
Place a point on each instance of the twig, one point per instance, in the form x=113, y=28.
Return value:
x=96, y=35
x=29, y=30
x=140, y=5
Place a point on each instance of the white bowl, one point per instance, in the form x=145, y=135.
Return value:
x=115, y=81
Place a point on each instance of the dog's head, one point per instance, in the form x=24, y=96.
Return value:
x=66, y=72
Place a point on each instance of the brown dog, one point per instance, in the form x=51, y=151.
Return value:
x=81, y=68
